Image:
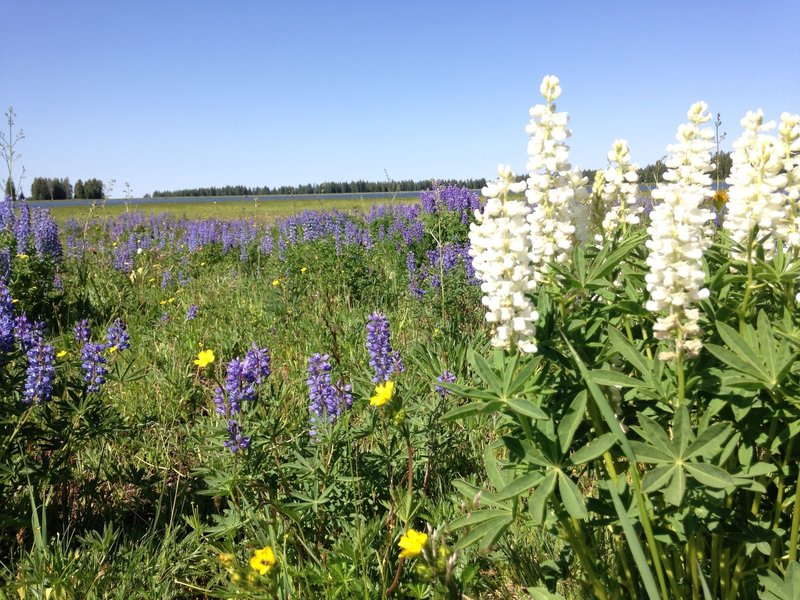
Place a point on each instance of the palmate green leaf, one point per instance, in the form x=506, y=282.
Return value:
x=654, y=435
x=490, y=530
x=709, y=475
x=657, y=478
x=523, y=376
x=527, y=408
x=710, y=441
x=766, y=342
x=471, y=409
x=593, y=449
x=603, y=265
x=639, y=361
x=744, y=351
x=572, y=419
x=648, y=454
x=608, y=377
x=519, y=486
x=571, y=496
x=486, y=373
x=676, y=488
x=781, y=588
x=732, y=360
x=681, y=430
x=478, y=516
x=496, y=476
x=538, y=500
x=472, y=492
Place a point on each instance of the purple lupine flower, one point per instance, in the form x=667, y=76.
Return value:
x=82, y=331
x=241, y=381
x=166, y=279
x=165, y=317
x=236, y=440
x=7, y=218
x=5, y=263
x=22, y=228
x=6, y=318
x=27, y=332
x=327, y=400
x=445, y=377
x=40, y=372
x=45, y=235
x=118, y=337
x=94, y=366
x=58, y=283
x=191, y=314
x=383, y=360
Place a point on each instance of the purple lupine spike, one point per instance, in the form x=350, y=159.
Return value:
x=22, y=228
x=82, y=331
x=191, y=313
x=236, y=439
x=45, y=235
x=40, y=372
x=118, y=337
x=445, y=377
x=6, y=318
x=383, y=360
x=327, y=401
x=93, y=364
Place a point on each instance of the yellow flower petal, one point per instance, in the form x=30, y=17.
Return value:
x=204, y=358
x=412, y=543
x=263, y=560
x=383, y=393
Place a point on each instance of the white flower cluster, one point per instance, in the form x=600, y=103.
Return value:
x=555, y=191
x=755, y=196
x=620, y=185
x=678, y=235
x=789, y=134
x=499, y=247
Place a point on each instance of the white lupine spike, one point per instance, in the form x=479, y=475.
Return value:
x=678, y=235
x=558, y=219
x=620, y=189
x=499, y=247
x=756, y=194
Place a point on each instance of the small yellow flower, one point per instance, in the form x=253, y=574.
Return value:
x=151, y=280
x=204, y=358
x=203, y=264
x=22, y=256
x=112, y=349
x=14, y=300
x=412, y=543
x=383, y=393
x=226, y=558
x=719, y=199
x=61, y=354
x=304, y=269
x=263, y=560
x=276, y=282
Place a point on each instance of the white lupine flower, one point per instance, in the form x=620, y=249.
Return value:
x=755, y=196
x=557, y=219
x=789, y=134
x=499, y=250
x=678, y=235
x=620, y=188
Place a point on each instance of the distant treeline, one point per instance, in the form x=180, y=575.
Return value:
x=328, y=187
x=55, y=188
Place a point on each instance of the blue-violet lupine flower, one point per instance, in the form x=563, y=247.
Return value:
x=445, y=377
x=94, y=366
x=327, y=400
x=383, y=360
x=117, y=337
x=82, y=331
x=236, y=439
x=40, y=372
x=6, y=318
x=191, y=314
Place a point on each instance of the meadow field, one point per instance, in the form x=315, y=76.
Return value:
x=547, y=392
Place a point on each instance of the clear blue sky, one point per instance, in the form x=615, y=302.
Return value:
x=168, y=95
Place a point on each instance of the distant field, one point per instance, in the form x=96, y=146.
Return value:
x=263, y=210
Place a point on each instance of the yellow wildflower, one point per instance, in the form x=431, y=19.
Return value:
x=226, y=559
x=204, y=358
x=304, y=269
x=276, y=282
x=61, y=354
x=263, y=560
x=112, y=349
x=22, y=256
x=412, y=543
x=719, y=199
x=383, y=393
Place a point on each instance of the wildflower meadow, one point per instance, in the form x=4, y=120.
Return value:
x=548, y=390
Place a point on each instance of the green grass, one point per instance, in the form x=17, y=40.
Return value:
x=259, y=210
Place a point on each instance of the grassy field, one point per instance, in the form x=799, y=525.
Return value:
x=259, y=210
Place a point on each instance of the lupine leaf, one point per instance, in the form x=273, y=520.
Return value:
x=571, y=496
x=709, y=443
x=572, y=419
x=593, y=449
x=538, y=500
x=527, y=408
x=709, y=475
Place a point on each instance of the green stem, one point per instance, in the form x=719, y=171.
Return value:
x=795, y=523
x=679, y=367
x=587, y=560
x=748, y=286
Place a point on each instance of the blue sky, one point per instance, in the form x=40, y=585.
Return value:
x=169, y=95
